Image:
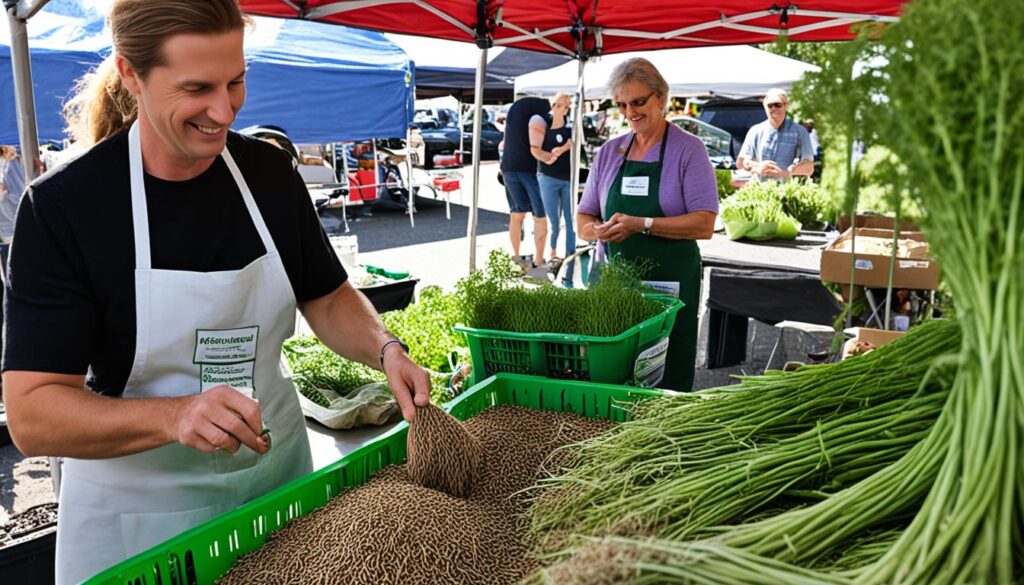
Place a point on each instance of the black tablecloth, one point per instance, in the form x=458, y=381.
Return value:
x=391, y=296
x=771, y=296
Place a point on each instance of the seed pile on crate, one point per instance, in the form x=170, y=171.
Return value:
x=394, y=530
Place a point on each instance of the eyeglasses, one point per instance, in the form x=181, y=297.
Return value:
x=636, y=103
x=775, y=105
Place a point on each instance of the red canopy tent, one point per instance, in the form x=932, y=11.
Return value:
x=608, y=26
x=586, y=28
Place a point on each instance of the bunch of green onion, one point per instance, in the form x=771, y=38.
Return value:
x=687, y=466
x=951, y=508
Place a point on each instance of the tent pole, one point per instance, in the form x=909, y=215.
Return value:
x=462, y=137
x=478, y=105
x=24, y=98
x=577, y=142
x=408, y=171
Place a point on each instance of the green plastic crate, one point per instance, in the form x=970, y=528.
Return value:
x=608, y=360
x=205, y=553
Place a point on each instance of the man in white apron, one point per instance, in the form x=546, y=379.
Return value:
x=187, y=438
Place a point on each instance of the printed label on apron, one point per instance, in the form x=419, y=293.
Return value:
x=668, y=287
x=635, y=186
x=225, y=346
x=238, y=376
x=650, y=364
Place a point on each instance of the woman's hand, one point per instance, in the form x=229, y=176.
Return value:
x=619, y=227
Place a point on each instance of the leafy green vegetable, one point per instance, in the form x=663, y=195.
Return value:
x=724, y=179
x=753, y=215
x=314, y=367
x=427, y=326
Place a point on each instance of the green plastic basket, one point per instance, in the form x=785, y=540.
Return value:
x=610, y=360
x=205, y=553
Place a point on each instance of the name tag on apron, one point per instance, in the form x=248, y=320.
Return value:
x=635, y=186
x=226, y=356
x=238, y=376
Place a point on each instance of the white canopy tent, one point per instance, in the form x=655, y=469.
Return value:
x=731, y=71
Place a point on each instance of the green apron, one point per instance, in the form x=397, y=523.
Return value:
x=676, y=261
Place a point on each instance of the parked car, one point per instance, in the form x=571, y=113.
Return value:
x=441, y=116
x=734, y=116
x=716, y=140
x=490, y=136
x=427, y=143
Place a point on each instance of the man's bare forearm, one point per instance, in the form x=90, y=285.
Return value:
x=345, y=321
x=55, y=415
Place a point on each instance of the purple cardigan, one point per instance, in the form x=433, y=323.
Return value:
x=687, y=177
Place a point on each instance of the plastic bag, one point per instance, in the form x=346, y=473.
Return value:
x=371, y=404
x=787, y=229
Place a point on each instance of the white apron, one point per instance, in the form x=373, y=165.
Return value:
x=194, y=331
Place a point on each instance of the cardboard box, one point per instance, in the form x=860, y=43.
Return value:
x=875, y=338
x=878, y=222
x=919, y=272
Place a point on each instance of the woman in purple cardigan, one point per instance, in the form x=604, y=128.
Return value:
x=651, y=194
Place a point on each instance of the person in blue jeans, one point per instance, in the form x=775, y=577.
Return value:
x=550, y=140
x=519, y=172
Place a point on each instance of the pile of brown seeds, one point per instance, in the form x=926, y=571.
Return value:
x=442, y=455
x=392, y=530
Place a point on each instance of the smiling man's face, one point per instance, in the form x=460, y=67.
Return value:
x=187, y=104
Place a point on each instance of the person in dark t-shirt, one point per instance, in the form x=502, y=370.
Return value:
x=519, y=171
x=551, y=144
x=152, y=282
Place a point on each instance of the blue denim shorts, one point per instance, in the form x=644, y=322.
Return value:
x=523, y=193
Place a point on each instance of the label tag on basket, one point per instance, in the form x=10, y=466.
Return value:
x=666, y=287
x=914, y=264
x=650, y=365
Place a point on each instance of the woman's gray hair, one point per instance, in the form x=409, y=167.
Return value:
x=641, y=70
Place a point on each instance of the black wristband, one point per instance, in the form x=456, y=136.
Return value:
x=384, y=348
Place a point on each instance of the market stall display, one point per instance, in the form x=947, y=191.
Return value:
x=611, y=332
x=473, y=540
x=874, y=253
x=766, y=210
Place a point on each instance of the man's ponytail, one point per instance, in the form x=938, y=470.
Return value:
x=102, y=106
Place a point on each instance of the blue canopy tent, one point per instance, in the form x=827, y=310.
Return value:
x=319, y=82
x=66, y=41
x=322, y=84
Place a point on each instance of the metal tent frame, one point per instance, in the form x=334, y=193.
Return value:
x=586, y=30
x=580, y=29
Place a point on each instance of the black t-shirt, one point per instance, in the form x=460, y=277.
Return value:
x=562, y=169
x=71, y=287
x=517, y=156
